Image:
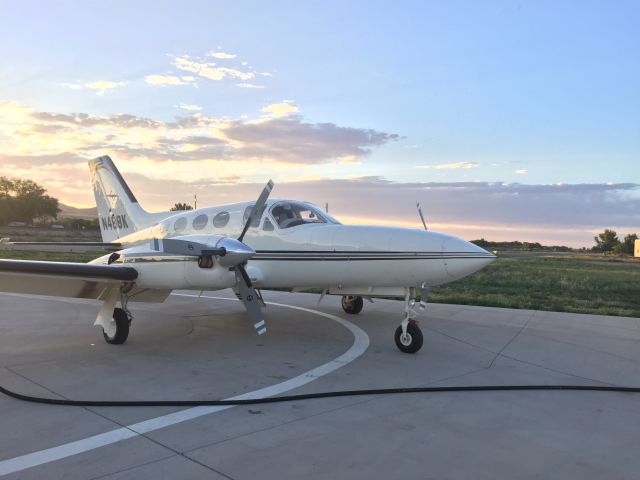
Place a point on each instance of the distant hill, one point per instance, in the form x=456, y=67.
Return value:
x=68, y=211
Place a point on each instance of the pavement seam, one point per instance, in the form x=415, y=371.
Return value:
x=500, y=354
x=266, y=429
x=87, y=409
x=160, y=444
x=324, y=412
x=35, y=383
x=512, y=339
x=586, y=347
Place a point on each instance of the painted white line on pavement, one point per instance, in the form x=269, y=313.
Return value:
x=359, y=346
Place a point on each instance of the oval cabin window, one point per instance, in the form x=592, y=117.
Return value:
x=200, y=222
x=221, y=219
x=180, y=224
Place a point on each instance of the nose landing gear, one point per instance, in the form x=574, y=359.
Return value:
x=408, y=336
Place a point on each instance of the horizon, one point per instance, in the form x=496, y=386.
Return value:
x=505, y=121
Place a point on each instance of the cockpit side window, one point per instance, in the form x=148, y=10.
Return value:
x=292, y=214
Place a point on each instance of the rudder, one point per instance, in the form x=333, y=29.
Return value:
x=119, y=213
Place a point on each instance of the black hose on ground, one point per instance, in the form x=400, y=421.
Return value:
x=309, y=396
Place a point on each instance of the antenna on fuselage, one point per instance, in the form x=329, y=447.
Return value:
x=421, y=215
x=326, y=207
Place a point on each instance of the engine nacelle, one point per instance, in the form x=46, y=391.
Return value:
x=168, y=271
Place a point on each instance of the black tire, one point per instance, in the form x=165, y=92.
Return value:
x=122, y=327
x=351, y=304
x=412, y=342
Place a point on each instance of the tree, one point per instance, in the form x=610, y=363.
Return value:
x=628, y=243
x=606, y=241
x=180, y=206
x=24, y=200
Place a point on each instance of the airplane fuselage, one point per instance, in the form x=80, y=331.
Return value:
x=318, y=252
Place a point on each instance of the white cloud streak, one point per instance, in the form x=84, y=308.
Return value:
x=164, y=80
x=221, y=55
x=451, y=166
x=100, y=86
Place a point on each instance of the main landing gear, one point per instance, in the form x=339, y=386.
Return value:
x=352, y=304
x=117, y=331
x=408, y=336
x=115, y=321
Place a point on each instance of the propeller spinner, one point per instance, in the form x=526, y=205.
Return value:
x=230, y=252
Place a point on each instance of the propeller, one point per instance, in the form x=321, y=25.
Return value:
x=230, y=252
x=421, y=216
x=247, y=294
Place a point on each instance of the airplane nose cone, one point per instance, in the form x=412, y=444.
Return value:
x=462, y=258
x=237, y=252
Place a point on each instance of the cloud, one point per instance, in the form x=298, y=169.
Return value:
x=101, y=86
x=522, y=171
x=281, y=109
x=451, y=166
x=281, y=141
x=210, y=70
x=567, y=214
x=249, y=85
x=189, y=106
x=291, y=140
x=221, y=55
x=164, y=80
x=557, y=214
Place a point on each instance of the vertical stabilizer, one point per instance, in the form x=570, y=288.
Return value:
x=119, y=213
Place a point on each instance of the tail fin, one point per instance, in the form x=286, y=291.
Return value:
x=119, y=213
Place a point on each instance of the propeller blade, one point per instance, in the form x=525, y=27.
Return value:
x=257, y=208
x=249, y=298
x=421, y=216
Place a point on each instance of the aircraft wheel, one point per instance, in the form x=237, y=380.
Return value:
x=352, y=304
x=412, y=341
x=120, y=327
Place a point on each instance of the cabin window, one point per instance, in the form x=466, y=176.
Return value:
x=292, y=214
x=256, y=220
x=180, y=224
x=268, y=226
x=221, y=219
x=200, y=222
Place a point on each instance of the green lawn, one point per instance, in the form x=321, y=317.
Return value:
x=583, y=284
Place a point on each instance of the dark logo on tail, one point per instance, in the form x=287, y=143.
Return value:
x=114, y=222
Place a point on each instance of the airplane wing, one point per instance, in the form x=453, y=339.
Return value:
x=62, y=279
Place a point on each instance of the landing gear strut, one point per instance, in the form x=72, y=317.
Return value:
x=352, y=304
x=408, y=336
x=117, y=331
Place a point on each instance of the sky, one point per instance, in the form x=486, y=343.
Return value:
x=506, y=120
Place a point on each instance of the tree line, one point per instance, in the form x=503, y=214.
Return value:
x=25, y=201
x=608, y=242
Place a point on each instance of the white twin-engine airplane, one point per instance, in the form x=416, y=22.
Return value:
x=247, y=247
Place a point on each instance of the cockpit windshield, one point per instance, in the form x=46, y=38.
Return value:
x=292, y=214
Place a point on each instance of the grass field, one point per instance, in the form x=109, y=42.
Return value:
x=560, y=283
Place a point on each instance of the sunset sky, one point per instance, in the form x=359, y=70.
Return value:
x=507, y=120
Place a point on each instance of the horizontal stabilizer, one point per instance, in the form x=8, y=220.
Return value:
x=5, y=243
